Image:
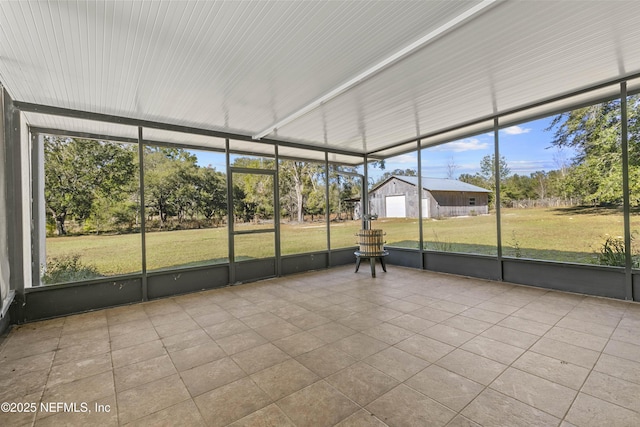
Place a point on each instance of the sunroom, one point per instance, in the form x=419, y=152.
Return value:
x=183, y=184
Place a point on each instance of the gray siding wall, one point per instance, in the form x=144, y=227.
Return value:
x=441, y=203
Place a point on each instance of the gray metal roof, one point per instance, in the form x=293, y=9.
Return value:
x=442, y=184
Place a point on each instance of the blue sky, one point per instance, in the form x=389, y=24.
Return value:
x=527, y=148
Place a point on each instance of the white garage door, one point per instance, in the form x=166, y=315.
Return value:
x=396, y=207
x=426, y=203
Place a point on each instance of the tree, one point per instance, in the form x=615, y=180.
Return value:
x=396, y=172
x=79, y=171
x=211, y=193
x=594, y=132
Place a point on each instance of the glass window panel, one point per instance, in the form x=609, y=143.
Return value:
x=303, y=225
x=633, y=135
x=92, y=210
x=186, y=207
x=562, y=200
x=345, y=211
x=458, y=203
x=254, y=246
x=394, y=197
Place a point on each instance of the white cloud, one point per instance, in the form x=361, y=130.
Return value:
x=404, y=159
x=471, y=144
x=528, y=166
x=516, y=130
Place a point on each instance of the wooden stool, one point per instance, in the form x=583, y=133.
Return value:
x=372, y=260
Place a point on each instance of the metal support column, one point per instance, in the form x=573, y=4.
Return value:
x=232, y=265
x=13, y=164
x=143, y=223
x=365, y=194
x=496, y=146
x=420, y=213
x=327, y=206
x=624, y=139
x=276, y=213
x=38, y=214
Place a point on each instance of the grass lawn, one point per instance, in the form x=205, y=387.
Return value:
x=560, y=234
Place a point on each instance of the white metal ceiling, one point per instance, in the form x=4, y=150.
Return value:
x=242, y=67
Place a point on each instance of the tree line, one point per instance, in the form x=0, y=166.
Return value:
x=96, y=185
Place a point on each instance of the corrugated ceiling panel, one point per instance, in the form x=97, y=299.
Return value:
x=58, y=123
x=181, y=138
x=515, y=54
x=235, y=66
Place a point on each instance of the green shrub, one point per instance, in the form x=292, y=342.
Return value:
x=68, y=268
x=612, y=253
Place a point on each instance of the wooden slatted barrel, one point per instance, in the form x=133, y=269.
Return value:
x=371, y=241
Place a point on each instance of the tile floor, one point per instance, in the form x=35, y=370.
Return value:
x=408, y=348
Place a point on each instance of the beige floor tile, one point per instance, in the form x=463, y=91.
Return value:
x=613, y=390
x=300, y=343
x=10, y=367
x=148, y=398
x=568, y=352
x=68, y=372
x=178, y=327
x=425, y=348
x=483, y=315
x=269, y=416
x=137, y=353
x=586, y=327
x=177, y=316
x=445, y=387
x=460, y=421
x=185, y=414
x=276, y=331
x=416, y=409
x=359, y=321
x=143, y=372
x=545, y=395
x=260, y=319
x=362, y=418
x=359, y=345
x=84, y=350
x=492, y=349
x=14, y=350
x=449, y=306
x=259, y=358
x=510, y=336
x=326, y=360
x=474, y=367
x=623, y=350
x=21, y=418
x=498, y=308
x=103, y=412
x=128, y=327
x=133, y=338
x=388, y=333
x=629, y=335
x=15, y=386
x=619, y=368
x=537, y=316
x=525, y=325
x=362, y=383
x=209, y=319
x=186, y=340
x=318, y=405
x=335, y=312
x=447, y=335
x=196, y=356
x=588, y=411
x=211, y=375
x=411, y=322
x=308, y=320
x=397, y=363
x=491, y=408
x=579, y=339
x=557, y=371
x=245, y=310
x=226, y=328
x=233, y=344
x=284, y=378
x=432, y=314
x=403, y=306
x=467, y=324
x=86, y=389
x=289, y=311
x=231, y=402
x=330, y=332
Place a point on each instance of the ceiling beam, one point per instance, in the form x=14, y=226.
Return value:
x=388, y=61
